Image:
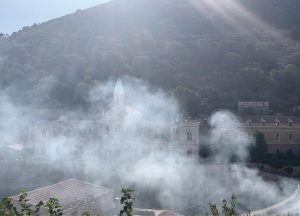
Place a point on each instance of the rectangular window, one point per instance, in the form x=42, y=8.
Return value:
x=290, y=136
x=177, y=132
x=189, y=135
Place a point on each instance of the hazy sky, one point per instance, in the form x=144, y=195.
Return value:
x=14, y=14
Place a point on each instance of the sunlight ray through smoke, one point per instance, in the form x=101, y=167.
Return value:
x=240, y=18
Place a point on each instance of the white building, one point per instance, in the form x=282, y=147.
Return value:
x=186, y=134
x=253, y=107
x=121, y=127
x=282, y=133
x=110, y=131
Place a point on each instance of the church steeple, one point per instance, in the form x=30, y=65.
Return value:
x=118, y=95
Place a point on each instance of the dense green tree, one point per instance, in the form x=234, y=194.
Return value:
x=176, y=52
x=113, y=64
x=167, y=45
x=293, y=75
x=145, y=41
x=252, y=79
x=81, y=95
x=189, y=99
x=259, y=149
x=232, y=61
x=209, y=50
x=141, y=66
x=127, y=202
x=226, y=210
x=289, y=170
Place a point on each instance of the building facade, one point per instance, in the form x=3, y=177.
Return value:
x=122, y=123
x=282, y=133
x=112, y=131
x=253, y=107
x=75, y=135
x=186, y=134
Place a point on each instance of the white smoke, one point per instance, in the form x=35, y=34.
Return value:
x=12, y=122
x=142, y=156
x=227, y=139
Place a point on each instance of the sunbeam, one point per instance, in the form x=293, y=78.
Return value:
x=239, y=17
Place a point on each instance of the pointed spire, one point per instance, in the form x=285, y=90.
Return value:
x=118, y=94
x=119, y=87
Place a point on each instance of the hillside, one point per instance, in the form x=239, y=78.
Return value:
x=209, y=55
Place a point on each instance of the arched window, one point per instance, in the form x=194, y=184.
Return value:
x=263, y=122
x=277, y=122
x=249, y=122
x=290, y=123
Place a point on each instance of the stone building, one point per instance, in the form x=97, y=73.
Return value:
x=282, y=133
x=186, y=134
x=121, y=123
x=74, y=196
x=71, y=136
x=253, y=107
x=63, y=135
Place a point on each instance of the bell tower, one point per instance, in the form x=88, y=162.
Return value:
x=118, y=98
